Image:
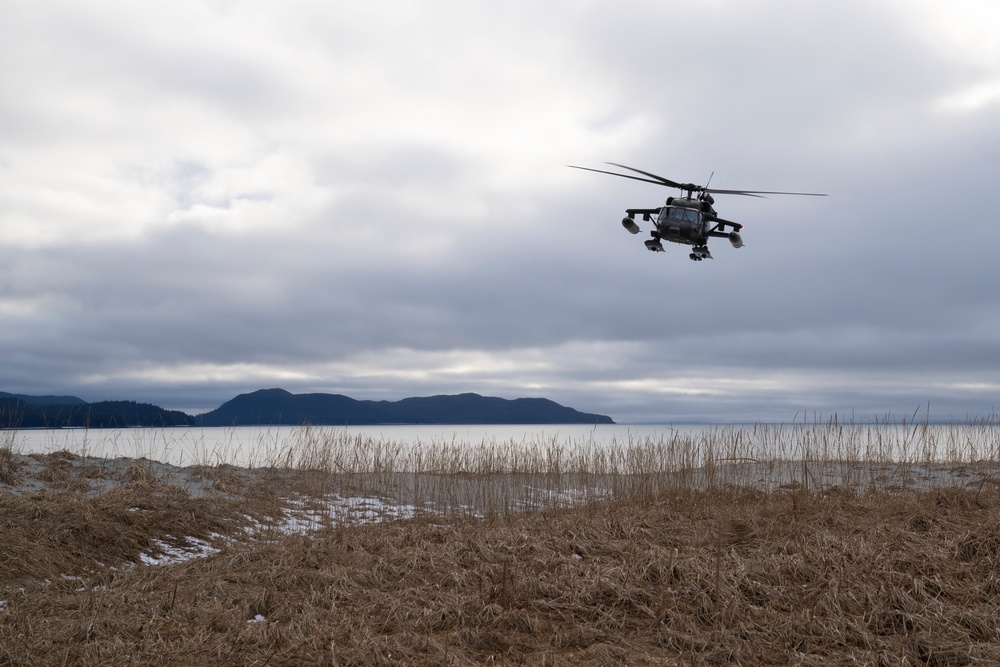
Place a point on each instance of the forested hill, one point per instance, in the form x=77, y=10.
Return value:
x=277, y=407
x=44, y=400
x=19, y=411
x=273, y=407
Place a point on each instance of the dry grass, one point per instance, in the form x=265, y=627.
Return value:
x=697, y=578
x=10, y=467
x=671, y=564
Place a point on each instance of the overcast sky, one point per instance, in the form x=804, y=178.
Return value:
x=200, y=199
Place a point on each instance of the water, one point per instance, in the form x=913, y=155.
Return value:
x=259, y=446
x=252, y=445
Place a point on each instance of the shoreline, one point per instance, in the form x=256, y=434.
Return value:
x=24, y=474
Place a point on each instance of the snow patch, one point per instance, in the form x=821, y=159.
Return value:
x=170, y=554
x=310, y=514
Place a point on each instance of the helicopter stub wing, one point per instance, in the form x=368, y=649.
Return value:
x=722, y=223
x=644, y=212
x=628, y=222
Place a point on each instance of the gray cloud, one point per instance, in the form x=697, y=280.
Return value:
x=202, y=200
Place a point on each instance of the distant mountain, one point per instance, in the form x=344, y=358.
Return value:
x=20, y=411
x=279, y=407
x=44, y=400
x=274, y=407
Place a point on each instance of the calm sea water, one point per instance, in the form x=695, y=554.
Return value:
x=257, y=446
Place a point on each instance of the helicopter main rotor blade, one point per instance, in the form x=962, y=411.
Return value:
x=690, y=187
x=736, y=192
x=659, y=179
x=757, y=193
x=634, y=178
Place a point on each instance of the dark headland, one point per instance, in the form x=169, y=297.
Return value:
x=277, y=407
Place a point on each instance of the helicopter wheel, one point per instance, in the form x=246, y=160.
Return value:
x=699, y=253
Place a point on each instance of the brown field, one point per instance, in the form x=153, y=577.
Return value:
x=351, y=552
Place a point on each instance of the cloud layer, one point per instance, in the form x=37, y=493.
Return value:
x=199, y=199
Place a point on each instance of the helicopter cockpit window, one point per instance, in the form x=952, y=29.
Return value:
x=685, y=214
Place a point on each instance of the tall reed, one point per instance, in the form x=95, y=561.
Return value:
x=497, y=476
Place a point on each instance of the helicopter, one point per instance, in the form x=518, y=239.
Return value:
x=689, y=219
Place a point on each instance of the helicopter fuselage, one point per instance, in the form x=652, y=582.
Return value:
x=681, y=221
x=686, y=220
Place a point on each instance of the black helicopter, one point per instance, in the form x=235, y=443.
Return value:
x=690, y=220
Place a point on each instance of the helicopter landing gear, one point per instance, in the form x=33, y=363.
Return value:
x=654, y=245
x=699, y=253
